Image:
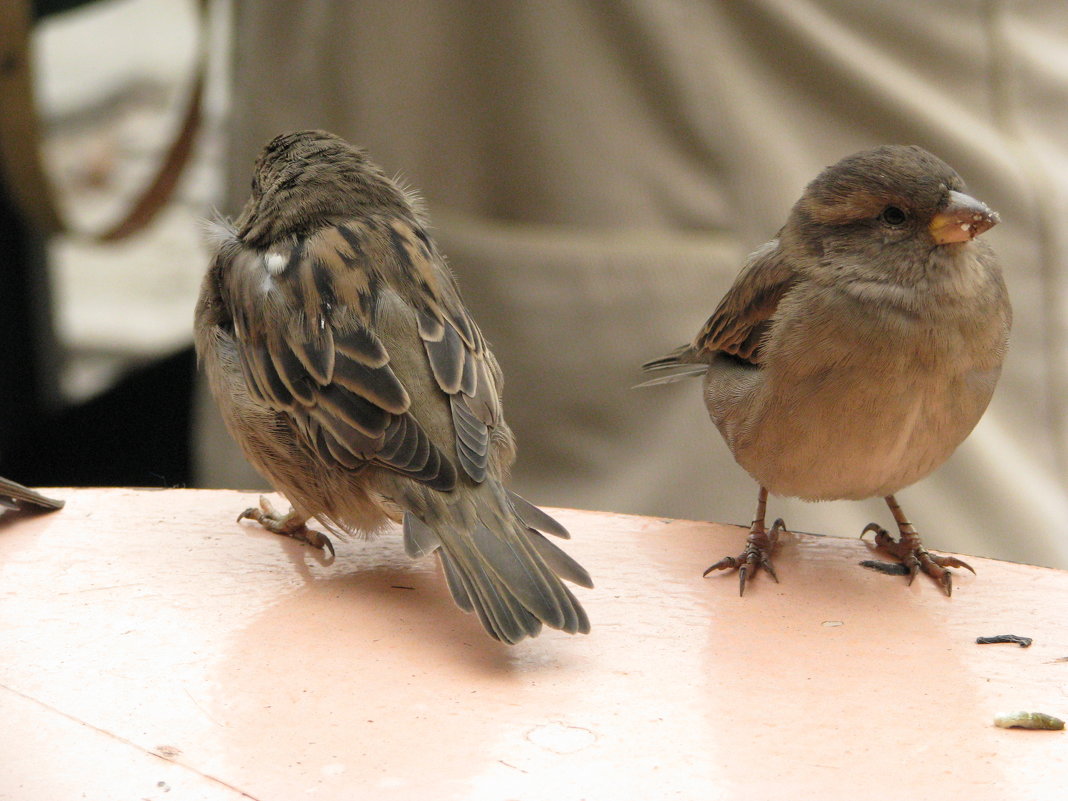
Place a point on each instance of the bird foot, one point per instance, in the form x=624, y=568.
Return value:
x=289, y=524
x=915, y=557
x=757, y=554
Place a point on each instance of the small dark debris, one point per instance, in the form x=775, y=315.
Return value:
x=400, y=587
x=890, y=568
x=1023, y=642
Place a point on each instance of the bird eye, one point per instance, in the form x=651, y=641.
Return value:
x=892, y=215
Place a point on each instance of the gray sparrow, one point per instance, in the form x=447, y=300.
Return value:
x=347, y=368
x=858, y=348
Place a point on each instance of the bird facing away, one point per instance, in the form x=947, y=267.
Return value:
x=857, y=349
x=348, y=370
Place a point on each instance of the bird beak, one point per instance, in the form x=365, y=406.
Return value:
x=962, y=218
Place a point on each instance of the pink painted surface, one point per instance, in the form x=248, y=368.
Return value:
x=151, y=647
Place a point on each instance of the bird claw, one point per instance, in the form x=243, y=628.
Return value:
x=946, y=581
x=726, y=563
x=756, y=556
x=290, y=525
x=317, y=539
x=879, y=531
x=916, y=558
x=952, y=561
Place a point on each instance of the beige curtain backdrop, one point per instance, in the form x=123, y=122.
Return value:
x=597, y=171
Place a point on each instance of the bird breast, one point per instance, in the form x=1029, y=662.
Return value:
x=851, y=405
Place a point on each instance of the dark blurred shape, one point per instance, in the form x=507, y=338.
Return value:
x=28, y=355
x=135, y=434
x=1023, y=642
x=42, y=8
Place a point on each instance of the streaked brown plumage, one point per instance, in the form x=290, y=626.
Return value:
x=857, y=349
x=347, y=368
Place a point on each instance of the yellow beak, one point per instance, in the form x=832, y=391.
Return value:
x=962, y=218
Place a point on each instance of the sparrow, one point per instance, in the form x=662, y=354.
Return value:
x=347, y=368
x=858, y=348
x=15, y=496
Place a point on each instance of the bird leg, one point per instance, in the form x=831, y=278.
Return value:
x=758, y=547
x=910, y=550
x=290, y=524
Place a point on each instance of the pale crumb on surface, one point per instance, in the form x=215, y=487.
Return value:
x=1029, y=720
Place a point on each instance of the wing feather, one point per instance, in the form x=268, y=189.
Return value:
x=379, y=385
x=461, y=364
x=316, y=353
x=446, y=353
x=325, y=366
x=740, y=322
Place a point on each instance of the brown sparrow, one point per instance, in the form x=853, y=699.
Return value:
x=857, y=349
x=350, y=373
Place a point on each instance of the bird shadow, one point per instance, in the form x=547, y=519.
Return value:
x=9, y=517
x=371, y=595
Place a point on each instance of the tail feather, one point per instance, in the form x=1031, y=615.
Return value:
x=535, y=518
x=512, y=568
x=497, y=565
x=681, y=355
x=682, y=362
x=559, y=562
x=11, y=492
x=499, y=612
x=582, y=622
x=419, y=538
x=455, y=581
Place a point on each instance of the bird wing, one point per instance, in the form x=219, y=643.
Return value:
x=309, y=345
x=743, y=316
x=462, y=365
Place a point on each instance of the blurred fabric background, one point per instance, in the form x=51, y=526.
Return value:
x=99, y=390
x=596, y=174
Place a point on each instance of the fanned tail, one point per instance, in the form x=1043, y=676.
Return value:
x=499, y=565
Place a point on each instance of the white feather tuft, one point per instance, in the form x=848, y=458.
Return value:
x=218, y=230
